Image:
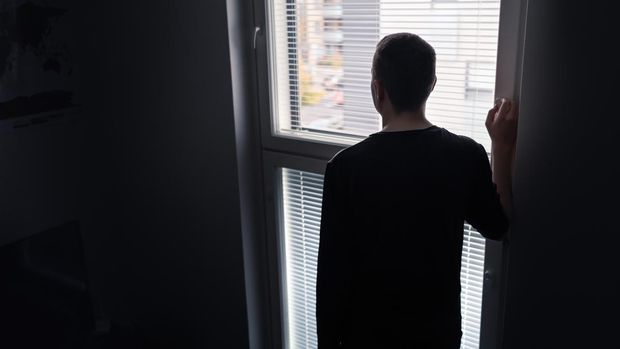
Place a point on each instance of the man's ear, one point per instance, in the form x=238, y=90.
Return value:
x=378, y=94
x=433, y=84
x=379, y=91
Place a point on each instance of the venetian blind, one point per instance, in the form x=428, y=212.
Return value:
x=321, y=54
x=301, y=212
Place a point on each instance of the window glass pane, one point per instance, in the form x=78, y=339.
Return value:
x=301, y=212
x=322, y=53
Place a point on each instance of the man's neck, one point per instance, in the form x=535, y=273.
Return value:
x=405, y=121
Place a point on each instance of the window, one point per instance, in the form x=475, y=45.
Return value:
x=314, y=79
x=480, y=81
x=321, y=63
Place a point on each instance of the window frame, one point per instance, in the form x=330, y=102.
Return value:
x=273, y=162
x=283, y=150
x=269, y=139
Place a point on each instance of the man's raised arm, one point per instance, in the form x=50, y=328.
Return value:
x=501, y=123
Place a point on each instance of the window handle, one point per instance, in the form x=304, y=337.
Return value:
x=257, y=30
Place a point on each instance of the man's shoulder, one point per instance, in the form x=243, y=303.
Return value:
x=350, y=153
x=460, y=141
x=464, y=145
x=450, y=141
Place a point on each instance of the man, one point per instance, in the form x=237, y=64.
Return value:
x=393, y=211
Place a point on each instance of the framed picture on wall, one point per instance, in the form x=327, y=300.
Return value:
x=38, y=76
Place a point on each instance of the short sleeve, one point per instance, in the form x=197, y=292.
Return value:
x=483, y=208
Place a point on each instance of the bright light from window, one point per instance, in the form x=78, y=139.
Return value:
x=322, y=53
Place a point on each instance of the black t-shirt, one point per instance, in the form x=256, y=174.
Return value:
x=391, y=236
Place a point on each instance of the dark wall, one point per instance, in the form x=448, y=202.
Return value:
x=38, y=172
x=563, y=280
x=159, y=199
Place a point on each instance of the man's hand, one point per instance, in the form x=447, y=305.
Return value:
x=502, y=126
x=502, y=123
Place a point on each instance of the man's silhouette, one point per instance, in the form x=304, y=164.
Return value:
x=393, y=211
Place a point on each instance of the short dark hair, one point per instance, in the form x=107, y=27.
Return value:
x=405, y=65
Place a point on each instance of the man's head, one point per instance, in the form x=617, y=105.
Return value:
x=403, y=67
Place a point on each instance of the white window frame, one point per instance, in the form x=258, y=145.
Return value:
x=283, y=150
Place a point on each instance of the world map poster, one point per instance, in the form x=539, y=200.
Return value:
x=37, y=70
